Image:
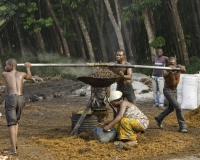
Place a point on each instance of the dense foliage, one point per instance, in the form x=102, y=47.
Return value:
x=66, y=31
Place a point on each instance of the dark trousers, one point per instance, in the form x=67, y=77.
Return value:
x=171, y=96
x=127, y=91
x=14, y=105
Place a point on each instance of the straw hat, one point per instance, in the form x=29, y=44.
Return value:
x=114, y=95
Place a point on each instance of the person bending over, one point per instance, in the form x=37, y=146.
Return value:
x=129, y=121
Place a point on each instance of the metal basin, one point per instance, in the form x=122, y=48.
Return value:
x=98, y=82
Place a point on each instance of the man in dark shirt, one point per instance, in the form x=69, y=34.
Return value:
x=157, y=79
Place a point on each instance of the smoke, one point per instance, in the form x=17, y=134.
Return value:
x=62, y=59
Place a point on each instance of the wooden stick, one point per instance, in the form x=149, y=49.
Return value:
x=74, y=131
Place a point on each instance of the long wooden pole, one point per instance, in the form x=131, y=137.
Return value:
x=97, y=65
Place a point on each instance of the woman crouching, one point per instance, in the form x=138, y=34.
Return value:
x=129, y=121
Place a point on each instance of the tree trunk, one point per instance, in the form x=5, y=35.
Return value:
x=1, y=69
x=151, y=18
x=110, y=42
x=58, y=44
x=37, y=36
x=60, y=30
x=56, y=38
x=63, y=15
x=173, y=47
x=39, y=42
x=179, y=30
x=118, y=13
x=131, y=55
x=150, y=31
x=197, y=31
x=87, y=38
x=20, y=38
x=116, y=27
x=2, y=24
x=8, y=40
x=78, y=32
x=198, y=8
x=100, y=33
x=1, y=47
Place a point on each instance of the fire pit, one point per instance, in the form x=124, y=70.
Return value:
x=100, y=82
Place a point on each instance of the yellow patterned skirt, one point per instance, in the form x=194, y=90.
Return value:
x=128, y=128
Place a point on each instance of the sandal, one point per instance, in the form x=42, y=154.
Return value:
x=11, y=152
x=130, y=146
x=120, y=145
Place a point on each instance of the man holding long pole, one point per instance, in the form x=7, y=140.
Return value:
x=124, y=83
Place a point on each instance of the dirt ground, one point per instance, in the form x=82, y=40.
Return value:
x=45, y=127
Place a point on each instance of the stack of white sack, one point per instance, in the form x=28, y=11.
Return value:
x=188, y=94
x=198, y=90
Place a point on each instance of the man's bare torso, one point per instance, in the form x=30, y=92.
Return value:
x=14, y=81
x=172, y=80
x=122, y=81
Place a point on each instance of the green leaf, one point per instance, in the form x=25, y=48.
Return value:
x=36, y=30
x=29, y=10
x=23, y=15
x=48, y=21
x=2, y=8
x=26, y=27
x=22, y=4
x=158, y=42
x=73, y=5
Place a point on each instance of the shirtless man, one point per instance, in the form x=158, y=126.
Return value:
x=15, y=100
x=171, y=81
x=124, y=83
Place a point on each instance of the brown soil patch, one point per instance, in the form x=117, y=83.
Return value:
x=45, y=127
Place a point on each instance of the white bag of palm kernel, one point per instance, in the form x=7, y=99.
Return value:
x=180, y=89
x=198, y=90
x=190, y=83
x=113, y=87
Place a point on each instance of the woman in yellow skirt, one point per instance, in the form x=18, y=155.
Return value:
x=129, y=121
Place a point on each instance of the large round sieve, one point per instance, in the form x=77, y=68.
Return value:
x=98, y=82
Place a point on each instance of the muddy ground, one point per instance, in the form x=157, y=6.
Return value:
x=45, y=127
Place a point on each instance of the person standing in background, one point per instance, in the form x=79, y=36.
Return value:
x=157, y=78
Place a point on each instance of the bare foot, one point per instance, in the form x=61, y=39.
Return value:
x=10, y=152
x=132, y=143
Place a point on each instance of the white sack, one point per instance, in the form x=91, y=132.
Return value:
x=180, y=89
x=113, y=87
x=189, y=92
x=198, y=90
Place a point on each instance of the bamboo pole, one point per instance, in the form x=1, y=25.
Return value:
x=98, y=65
